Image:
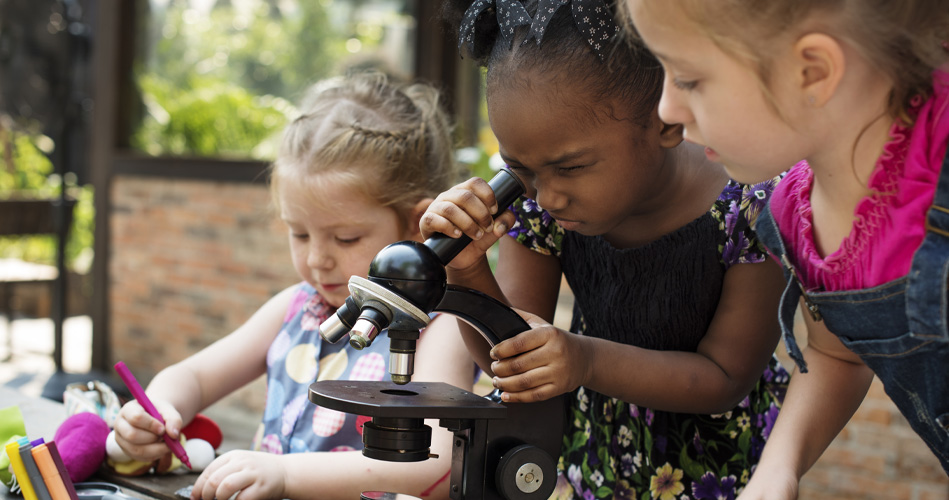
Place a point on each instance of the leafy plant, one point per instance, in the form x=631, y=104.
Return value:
x=28, y=173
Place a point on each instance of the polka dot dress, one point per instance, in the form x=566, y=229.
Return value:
x=299, y=357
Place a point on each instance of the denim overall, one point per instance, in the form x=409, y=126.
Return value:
x=899, y=329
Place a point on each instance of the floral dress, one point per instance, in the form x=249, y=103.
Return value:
x=660, y=296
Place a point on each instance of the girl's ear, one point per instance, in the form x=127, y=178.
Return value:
x=414, y=217
x=670, y=136
x=820, y=65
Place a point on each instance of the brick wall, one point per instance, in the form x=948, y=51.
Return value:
x=876, y=457
x=190, y=261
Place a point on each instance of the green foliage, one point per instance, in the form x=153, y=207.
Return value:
x=208, y=117
x=218, y=83
x=29, y=175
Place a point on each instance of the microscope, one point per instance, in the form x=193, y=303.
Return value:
x=500, y=451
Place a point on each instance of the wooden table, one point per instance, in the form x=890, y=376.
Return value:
x=43, y=416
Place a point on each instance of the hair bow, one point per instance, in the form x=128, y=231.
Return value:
x=593, y=19
x=510, y=13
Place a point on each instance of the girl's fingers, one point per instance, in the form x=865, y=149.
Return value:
x=520, y=343
x=446, y=217
x=485, y=194
x=138, y=418
x=532, y=395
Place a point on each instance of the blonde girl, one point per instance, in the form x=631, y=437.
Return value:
x=853, y=96
x=357, y=169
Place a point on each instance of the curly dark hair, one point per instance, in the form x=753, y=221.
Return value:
x=629, y=75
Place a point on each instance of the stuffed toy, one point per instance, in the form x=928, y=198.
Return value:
x=86, y=439
x=81, y=442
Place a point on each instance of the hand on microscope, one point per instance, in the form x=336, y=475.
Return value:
x=541, y=363
x=467, y=208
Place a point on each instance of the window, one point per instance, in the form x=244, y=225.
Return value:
x=218, y=78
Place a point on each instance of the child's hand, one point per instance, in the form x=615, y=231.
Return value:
x=540, y=363
x=246, y=474
x=139, y=434
x=765, y=485
x=467, y=208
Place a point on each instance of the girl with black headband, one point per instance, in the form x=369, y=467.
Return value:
x=668, y=367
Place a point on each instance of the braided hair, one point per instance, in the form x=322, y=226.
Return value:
x=628, y=74
x=392, y=141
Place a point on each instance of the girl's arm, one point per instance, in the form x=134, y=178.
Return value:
x=530, y=278
x=181, y=390
x=440, y=357
x=729, y=360
x=817, y=406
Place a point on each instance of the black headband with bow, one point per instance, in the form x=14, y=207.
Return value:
x=593, y=19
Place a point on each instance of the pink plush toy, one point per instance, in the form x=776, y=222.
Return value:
x=81, y=442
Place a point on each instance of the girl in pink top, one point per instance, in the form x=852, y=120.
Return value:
x=861, y=225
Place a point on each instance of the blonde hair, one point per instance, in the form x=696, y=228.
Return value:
x=391, y=141
x=904, y=39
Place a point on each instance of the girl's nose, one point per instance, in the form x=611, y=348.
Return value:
x=318, y=258
x=547, y=197
x=671, y=109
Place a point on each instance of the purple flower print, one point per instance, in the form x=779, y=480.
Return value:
x=731, y=191
x=623, y=491
x=731, y=217
x=575, y=475
x=697, y=443
x=626, y=465
x=649, y=416
x=760, y=194
x=660, y=443
x=769, y=417
x=708, y=487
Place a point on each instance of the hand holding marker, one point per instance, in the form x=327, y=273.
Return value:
x=139, y=394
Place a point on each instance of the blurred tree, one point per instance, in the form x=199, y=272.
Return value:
x=217, y=81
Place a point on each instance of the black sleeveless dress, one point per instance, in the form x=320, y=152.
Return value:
x=659, y=296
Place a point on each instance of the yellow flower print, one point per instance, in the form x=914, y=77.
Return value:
x=667, y=483
x=744, y=421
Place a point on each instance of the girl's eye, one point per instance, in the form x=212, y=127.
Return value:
x=565, y=170
x=297, y=236
x=348, y=241
x=684, y=84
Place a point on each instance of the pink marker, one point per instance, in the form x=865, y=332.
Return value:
x=139, y=394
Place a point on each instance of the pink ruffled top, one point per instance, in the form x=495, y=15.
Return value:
x=889, y=224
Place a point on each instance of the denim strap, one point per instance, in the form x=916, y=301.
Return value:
x=767, y=232
x=929, y=274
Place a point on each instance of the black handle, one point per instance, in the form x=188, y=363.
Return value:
x=507, y=187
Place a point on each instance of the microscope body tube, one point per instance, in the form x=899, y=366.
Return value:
x=507, y=188
x=406, y=282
